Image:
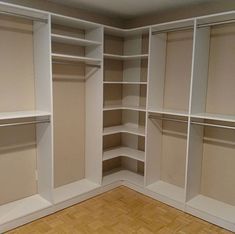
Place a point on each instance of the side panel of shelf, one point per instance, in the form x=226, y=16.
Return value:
x=43, y=84
x=94, y=114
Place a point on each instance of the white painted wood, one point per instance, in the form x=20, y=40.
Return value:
x=94, y=113
x=169, y=112
x=23, y=114
x=14, y=210
x=126, y=82
x=73, y=40
x=213, y=208
x=124, y=175
x=125, y=57
x=65, y=57
x=168, y=190
x=210, y=116
x=122, y=107
x=138, y=130
x=125, y=152
x=43, y=84
x=72, y=190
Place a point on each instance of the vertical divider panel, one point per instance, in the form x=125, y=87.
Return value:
x=197, y=103
x=43, y=87
x=94, y=113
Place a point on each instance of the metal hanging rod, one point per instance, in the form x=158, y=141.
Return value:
x=76, y=64
x=191, y=27
x=168, y=119
x=23, y=16
x=25, y=123
x=213, y=125
x=172, y=30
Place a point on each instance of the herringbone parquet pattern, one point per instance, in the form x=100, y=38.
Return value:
x=121, y=211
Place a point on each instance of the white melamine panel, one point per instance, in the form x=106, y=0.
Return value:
x=23, y=114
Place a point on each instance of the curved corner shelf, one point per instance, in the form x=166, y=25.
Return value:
x=125, y=57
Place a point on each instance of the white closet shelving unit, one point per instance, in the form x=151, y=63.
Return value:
x=77, y=80
x=25, y=113
x=125, y=87
x=89, y=107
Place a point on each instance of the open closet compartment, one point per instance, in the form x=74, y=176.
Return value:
x=124, y=146
x=125, y=68
x=25, y=112
x=166, y=147
x=213, y=91
x=171, y=47
x=211, y=171
x=78, y=103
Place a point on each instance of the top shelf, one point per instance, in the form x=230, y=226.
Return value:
x=73, y=40
x=219, y=117
x=125, y=57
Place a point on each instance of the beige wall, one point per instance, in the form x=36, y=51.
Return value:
x=182, y=13
x=74, y=12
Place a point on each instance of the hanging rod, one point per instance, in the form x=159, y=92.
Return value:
x=216, y=23
x=213, y=125
x=23, y=16
x=168, y=119
x=76, y=64
x=25, y=123
x=172, y=30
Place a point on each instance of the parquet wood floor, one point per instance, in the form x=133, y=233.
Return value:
x=121, y=211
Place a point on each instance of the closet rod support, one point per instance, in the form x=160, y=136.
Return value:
x=25, y=123
x=167, y=119
x=23, y=16
x=213, y=125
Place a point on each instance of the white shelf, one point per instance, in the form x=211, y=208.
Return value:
x=126, y=82
x=23, y=114
x=120, y=107
x=72, y=190
x=227, y=118
x=169, y=112
x=124, y=175
x=20, y=208
x=213, y=207
x=124, y=151
x=73, y=40
x=140, y=131
x=87, y=60
x=125, y=57
x=168, y=190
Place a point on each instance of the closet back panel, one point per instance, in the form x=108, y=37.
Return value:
x=178, y=70
x=17, y=163
x=217, y=179
x=113, y=44
x=67, y=31
x=174, y=141
x=69, y=124
x=17, y=72
x=113, y=70
x=221, y=82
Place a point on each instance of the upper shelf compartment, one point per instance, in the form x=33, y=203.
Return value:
x=76, y=41
x=170, y=68
x=213, y=92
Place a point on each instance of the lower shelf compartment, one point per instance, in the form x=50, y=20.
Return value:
x=124, y=175
x=23, y=207
x=168, y=190
x=72, y=190
x=213, y=207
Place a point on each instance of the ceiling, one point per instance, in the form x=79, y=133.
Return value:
x=131, y=8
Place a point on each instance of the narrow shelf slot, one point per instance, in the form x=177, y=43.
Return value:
x=123, y=151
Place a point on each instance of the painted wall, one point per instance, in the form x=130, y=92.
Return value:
x=69, y=11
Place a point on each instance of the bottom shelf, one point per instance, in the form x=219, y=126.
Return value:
x=72, y=190
x=23, y=207
x=213, y=207
x=168, y=190
x=124, y=175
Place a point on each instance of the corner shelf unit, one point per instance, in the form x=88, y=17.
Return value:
x=151, y=108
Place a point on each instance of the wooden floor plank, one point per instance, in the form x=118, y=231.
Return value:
x=121, y=211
